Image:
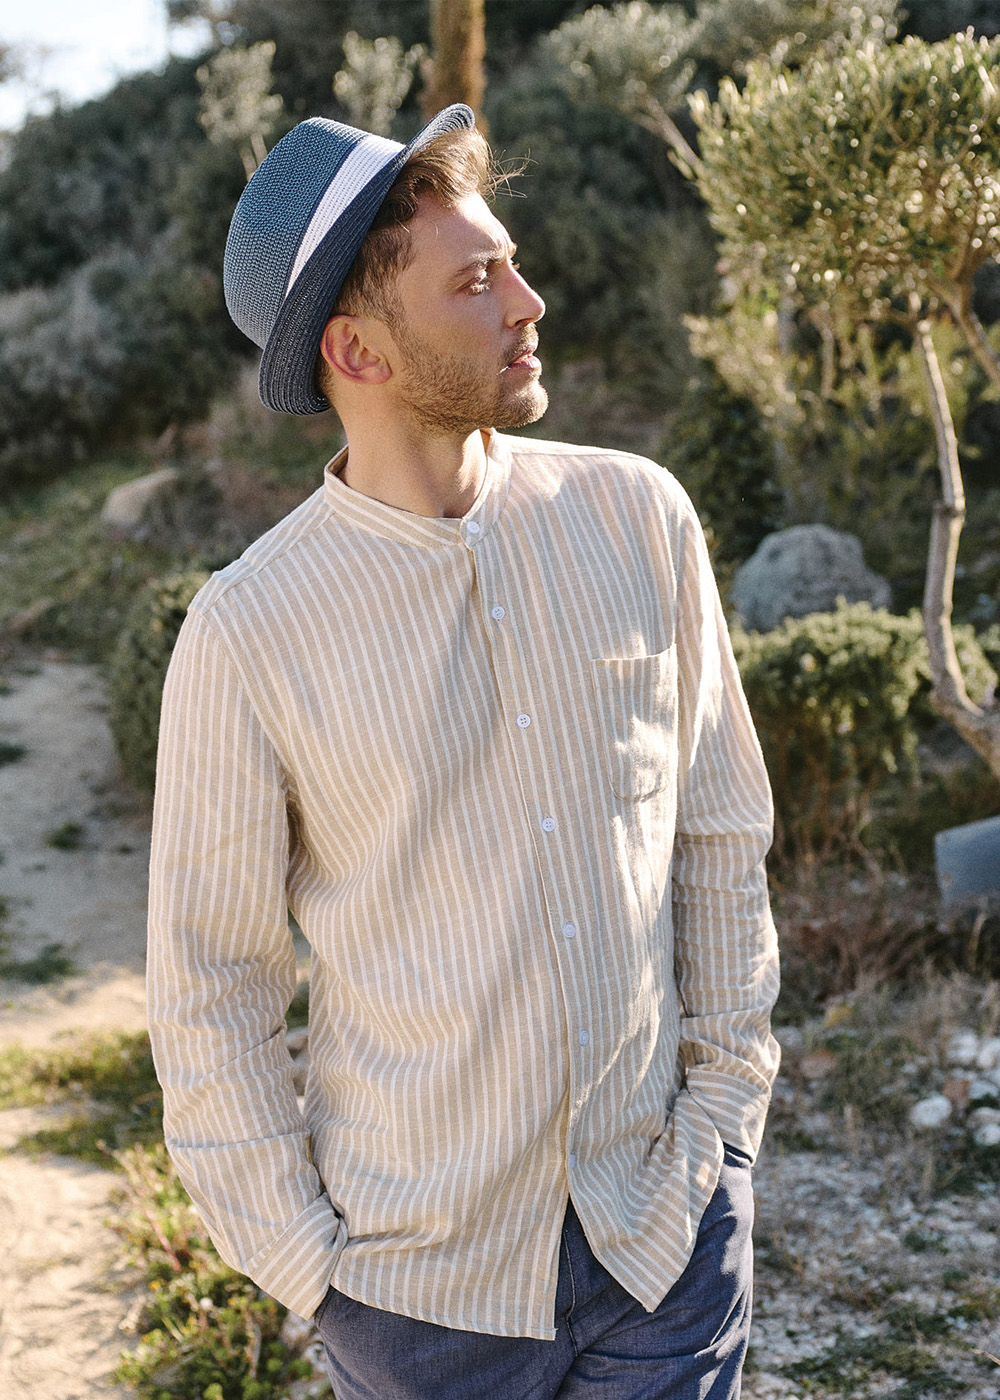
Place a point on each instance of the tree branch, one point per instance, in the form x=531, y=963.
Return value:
x=659, y=121
x=979, y=728
x=972, y=328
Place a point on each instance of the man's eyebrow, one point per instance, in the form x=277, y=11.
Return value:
x=494, y=254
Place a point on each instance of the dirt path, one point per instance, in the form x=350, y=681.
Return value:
x=60, y=1303
x=90, y=899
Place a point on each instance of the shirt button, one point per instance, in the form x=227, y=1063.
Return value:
x=569, y=930
x=584, y=1037
x=572, y=1159
x=522, y=723
x=473, y=527
x=498, y=613
x=548, y=823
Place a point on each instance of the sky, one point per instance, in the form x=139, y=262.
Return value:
x=79, y=48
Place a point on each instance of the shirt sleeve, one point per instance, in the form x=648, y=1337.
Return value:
x=725, y=943
x=221, y=974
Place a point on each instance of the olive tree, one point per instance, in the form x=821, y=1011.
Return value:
x=237, y=104
x=867, y=185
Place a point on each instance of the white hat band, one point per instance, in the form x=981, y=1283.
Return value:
x=366, y=160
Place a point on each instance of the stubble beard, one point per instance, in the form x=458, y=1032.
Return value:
x=442, y=395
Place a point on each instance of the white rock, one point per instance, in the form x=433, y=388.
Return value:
x=297, y=1332
x=987, y=1135
x=983, y=1089
x=932, y=1112
x=988, y=1056
x=802, y=570
x=980, y=1116
x=963, y=1047
x=128, y=505
x=297, y=1039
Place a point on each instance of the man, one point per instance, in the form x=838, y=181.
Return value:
x=471, y=712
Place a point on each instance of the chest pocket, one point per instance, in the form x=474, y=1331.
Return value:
x=637, y=705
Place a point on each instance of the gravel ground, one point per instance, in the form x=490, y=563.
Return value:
x=871, y=1279
x=864, y=1292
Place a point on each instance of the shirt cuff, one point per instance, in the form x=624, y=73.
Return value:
x=735, y=1107
x=296, y=1268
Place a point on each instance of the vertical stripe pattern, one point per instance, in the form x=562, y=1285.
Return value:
x=502, y=771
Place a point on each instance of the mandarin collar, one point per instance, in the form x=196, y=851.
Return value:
x=429, y=532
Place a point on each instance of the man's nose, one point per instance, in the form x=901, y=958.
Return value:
x=526, y=304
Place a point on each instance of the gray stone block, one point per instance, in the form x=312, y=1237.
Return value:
x=968, y=864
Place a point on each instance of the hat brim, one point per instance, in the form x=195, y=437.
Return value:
x=287, y=380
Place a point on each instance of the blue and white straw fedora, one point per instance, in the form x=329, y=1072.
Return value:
x=295, y=233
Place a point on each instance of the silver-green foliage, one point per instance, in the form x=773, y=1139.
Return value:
x=123, y=344
x=641, y=59
x=139, y=669
x=863, y=177
x=634, y=58
x=375, y=78
x=237, y=104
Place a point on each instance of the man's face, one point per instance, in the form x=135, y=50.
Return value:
x=465, y=333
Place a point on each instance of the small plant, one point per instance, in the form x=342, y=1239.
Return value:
x=856, y=1361
x=207, y=1331
x=139, y=668
x=10, y=753
x=68, y=837
x=49, y=964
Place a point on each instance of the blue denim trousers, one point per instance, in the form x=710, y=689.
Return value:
x=691, y=1348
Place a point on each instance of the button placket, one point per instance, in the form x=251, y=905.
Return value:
x=516, y=681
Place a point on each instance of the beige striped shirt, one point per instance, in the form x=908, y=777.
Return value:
x=501, y=770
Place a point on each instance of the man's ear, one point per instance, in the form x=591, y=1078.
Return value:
x=350, y=345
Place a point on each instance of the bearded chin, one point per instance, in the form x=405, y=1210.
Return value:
x=519, y=412
x=444, y=402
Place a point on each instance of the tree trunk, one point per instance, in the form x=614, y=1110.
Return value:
x=978, y=727
x=455, y=72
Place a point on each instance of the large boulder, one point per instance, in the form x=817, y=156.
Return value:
x=804, y=570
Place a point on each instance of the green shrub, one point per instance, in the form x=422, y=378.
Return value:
x=205, y=1330
x=838, y=699
x=139, y=668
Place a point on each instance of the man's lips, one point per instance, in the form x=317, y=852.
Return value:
x=525, y=360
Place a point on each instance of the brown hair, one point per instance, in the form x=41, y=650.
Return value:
x=450, y=167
